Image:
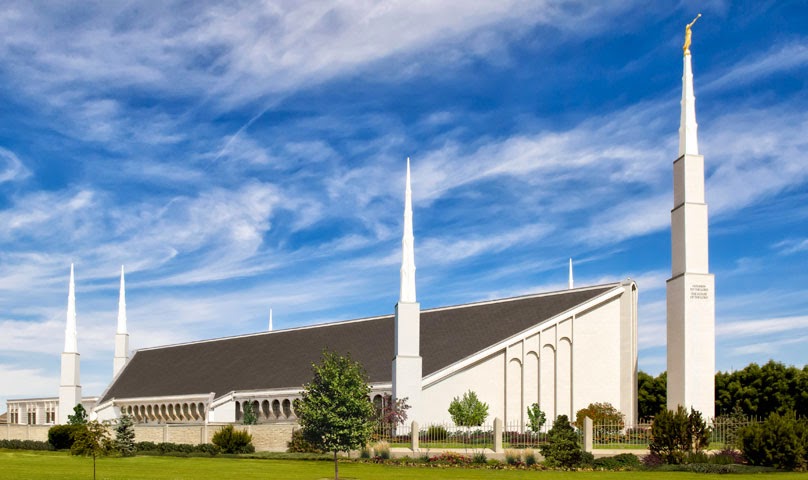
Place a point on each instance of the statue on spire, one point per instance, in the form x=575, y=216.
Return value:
x=689, y=34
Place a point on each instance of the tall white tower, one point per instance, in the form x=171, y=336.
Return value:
x=69, y=386
x=691, y=288
x=121, y=336
x=407, y=369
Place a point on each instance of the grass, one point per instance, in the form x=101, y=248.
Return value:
x=16, y=464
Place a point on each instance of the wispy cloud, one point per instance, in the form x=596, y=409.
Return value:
x=11, y=168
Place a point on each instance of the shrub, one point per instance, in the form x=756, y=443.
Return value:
x=479, y=458
x=513, y=457
x=623, y=461
x=230, y=440
x=435, y=433
x=298, y=444
x=365, y=452
x=468, y=411
x=674, y=434
x=780, y=441
x=382, y=450
x=450, y=458
x=61, y=437
x=530, y=457
x=25, y=445
x=562, y=448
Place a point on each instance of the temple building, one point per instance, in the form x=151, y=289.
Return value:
x=562, y=350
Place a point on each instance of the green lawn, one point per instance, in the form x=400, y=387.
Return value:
x=15, y=464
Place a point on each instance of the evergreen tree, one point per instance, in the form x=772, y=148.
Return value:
x=562, y=448
x=125, y=436
x=335, y=410
x=248, y=416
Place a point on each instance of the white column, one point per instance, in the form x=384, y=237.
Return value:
x=691, y=288
x=407, y=364
x=70, y=385
x=121, y=334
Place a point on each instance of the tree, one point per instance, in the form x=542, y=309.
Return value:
x=674, y=434
x=125, y=435
x=652, y=395
x=605, y=418
x=248, y=416
x=781, y=441
x=394, y=413
x=468, y=411
x=562, y=448
x=92, y=441
x=334, y=410
x=536, y=417
x=79, y=416
x=762, y=390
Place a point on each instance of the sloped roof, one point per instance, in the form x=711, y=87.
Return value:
x=283, y=358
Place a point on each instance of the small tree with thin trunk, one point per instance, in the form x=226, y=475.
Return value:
x=93, y=441
x=335, y=410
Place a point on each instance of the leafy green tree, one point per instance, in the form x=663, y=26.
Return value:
x=651, y=394
x=125, y=435
x=468, y=411
x=535, y=417
x=675, y=434
x=762, y=390
x=92, y=441
x=605, y=417
x=562, y=448
x=781, y=441
x=79, y=416
x=334, y=410
x=248, y=416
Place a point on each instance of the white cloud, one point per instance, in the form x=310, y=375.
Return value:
x=11, y=168
x=761, y=327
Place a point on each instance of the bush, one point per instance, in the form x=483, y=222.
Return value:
x=450, y=458
x=25, y=445
x=675, y=434
x=623, y=461
x=382, y=450
x=780, y=441
x=513, y=457
x=562, y=448
x=435, y=433
x=61, y=437
x=479, y=458
x=530, y=457
x=298, y=444
x=365, y=452
x=230, y=440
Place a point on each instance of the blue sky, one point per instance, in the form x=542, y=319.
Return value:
x=237, y=156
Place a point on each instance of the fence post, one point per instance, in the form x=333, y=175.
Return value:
x=414, y=433
x=587, y=434
x=497, y=435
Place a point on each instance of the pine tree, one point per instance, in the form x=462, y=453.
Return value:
x=125, y=436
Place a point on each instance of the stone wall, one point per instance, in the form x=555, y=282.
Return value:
x=24, y=432
x=266, y=437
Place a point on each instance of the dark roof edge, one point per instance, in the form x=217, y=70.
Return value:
x=378, y=317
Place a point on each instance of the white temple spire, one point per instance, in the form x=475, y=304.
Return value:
x=407, y=293
x=122, y=306
x=71, y=341
x=121, y=335
x=570, y=281
x=688, y=128
x=270, y=320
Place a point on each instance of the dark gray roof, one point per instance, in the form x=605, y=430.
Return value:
x=282, y=359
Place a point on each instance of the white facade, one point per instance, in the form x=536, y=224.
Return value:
x=564, y=364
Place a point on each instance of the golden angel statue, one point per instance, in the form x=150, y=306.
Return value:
x=688, y=34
